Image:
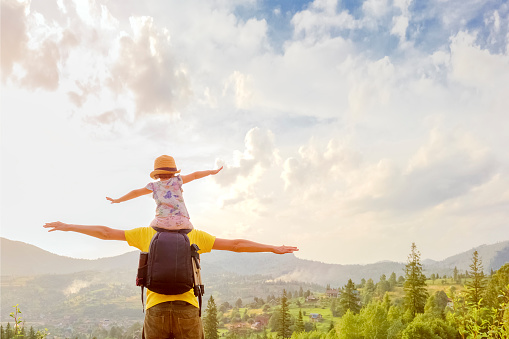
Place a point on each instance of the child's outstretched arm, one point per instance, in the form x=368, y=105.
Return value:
x=198, y=175
x=131, y=195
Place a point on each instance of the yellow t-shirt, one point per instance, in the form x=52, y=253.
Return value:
x=140, y=238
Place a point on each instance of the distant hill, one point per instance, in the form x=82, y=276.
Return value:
x=492, y=256
x=21, y=259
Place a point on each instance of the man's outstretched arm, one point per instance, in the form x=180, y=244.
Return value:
x=101, y=232
x=241, y=245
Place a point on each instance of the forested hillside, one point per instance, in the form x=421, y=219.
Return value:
x=20, y=259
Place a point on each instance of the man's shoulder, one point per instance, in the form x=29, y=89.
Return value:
x=203, y=239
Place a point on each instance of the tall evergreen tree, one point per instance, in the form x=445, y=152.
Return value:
x=333, y=308
x=382, y=286
x=299, y=324
x=349, y=299
x=211, y=322
x=392, y=280
x=477, y=284
x=283, y=330
x=416, y=293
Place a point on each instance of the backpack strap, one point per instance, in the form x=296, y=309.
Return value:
x=199, y=289
x=142, y=303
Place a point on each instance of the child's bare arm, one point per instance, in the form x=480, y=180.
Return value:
x=131, y=195
x=199, y=175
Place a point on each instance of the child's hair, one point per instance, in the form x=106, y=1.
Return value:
x=164, y=176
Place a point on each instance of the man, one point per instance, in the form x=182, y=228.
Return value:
x=170, y=316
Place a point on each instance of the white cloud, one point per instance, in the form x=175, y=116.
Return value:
x=317, y=22
x=375, y=8
x=146, y=66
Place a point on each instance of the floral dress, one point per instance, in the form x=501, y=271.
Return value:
x=171, y=211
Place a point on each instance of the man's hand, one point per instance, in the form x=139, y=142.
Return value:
x=284, y=249
x=101, y=232
x=113, y=201
x=56, y=226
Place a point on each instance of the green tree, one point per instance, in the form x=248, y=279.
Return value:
x=435, y=305
x=283, y=330
x=374, y=321
x=392, y=280
x=333, y=308
x=238, y=303
x=396, y=322
x=211, y=322
x=350, y=326
x=424, y=327
x=477, y=283
x=455, y=274
x=116, y=332
x=386, y=302
x=369, y=286
x=414, y=287
x=349, y=298
x=299, y=324
x=368, y=291
x=382, y=286
x=497, y=290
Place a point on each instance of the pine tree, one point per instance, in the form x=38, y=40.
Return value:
x=386, y=302
x=284, y=318
x=416, y=293
x=333, y=308
x=238, y=303
x=392, y=280
x=477, y=284
x=211, y=322
x=8, y=331
x=349, y=299
x=299, y=324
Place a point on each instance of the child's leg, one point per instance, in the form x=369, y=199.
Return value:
x=172, y=223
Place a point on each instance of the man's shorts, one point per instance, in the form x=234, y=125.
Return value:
x=172, y=320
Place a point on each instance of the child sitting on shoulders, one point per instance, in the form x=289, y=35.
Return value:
x=171, y=211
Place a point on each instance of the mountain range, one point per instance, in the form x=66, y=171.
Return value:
x=21, y=259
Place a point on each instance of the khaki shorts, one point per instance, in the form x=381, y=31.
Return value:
x=172, y=320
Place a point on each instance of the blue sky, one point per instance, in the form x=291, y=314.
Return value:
x=347, y=128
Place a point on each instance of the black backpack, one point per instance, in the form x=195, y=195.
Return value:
x=171, y=266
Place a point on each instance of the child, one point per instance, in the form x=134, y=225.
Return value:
x=171, y=212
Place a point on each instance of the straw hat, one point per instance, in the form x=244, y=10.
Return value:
x=164, y=165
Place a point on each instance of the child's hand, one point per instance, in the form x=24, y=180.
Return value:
x=113, y=201
x=214, y=172
x=56, y=226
